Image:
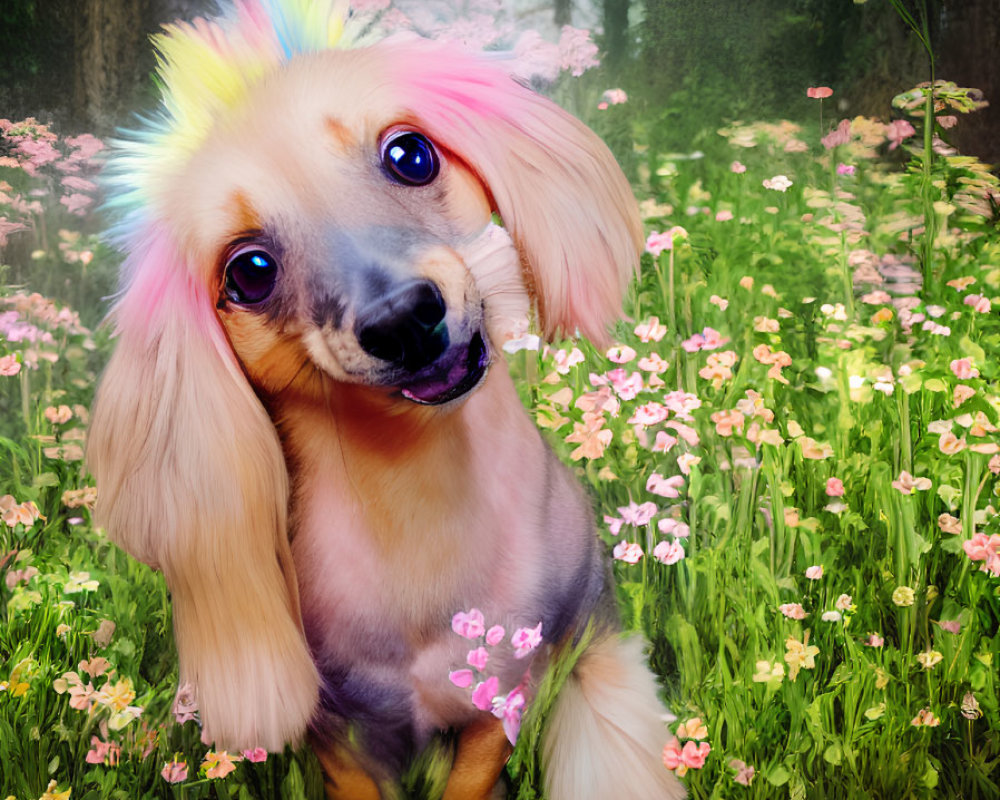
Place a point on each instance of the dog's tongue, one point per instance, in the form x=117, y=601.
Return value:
x=462, y=377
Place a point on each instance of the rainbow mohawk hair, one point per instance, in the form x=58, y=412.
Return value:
x=204, y=68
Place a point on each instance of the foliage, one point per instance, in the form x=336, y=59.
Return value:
x=792, y=447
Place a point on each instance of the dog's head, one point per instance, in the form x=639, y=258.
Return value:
x=304, y=217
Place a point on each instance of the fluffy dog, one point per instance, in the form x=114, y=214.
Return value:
x=307, y=423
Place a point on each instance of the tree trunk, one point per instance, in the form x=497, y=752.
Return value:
x=563, y=12
x=109, y=38
x=615, y=35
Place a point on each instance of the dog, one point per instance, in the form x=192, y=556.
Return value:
x=307, y=422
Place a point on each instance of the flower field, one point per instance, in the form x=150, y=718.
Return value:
x=792, y=444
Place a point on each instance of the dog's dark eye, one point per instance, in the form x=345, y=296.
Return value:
x=250, y=275
x=410, y=158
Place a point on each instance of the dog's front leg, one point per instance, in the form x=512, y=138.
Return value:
x=344, y=778
x=480, y=757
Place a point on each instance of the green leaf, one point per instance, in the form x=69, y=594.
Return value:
x=778, y=775
x=972, y=350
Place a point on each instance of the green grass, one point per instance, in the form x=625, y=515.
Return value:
x=811, y=375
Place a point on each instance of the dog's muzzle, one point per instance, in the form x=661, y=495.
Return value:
x=407, y=329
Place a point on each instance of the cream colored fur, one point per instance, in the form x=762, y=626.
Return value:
x=608, y=710
x=192, y=480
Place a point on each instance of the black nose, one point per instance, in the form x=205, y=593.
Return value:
x=405, y=327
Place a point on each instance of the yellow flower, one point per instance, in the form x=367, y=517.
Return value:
x=80, y=582
x=799, y=655
x=925, y=717
x=884, y=314
x=117, y=696
x=218, y=764
x=881, y=678
x=694, y=728
x=903, y=596
x=929, y=658
x=52, y=794
x=19, y=676
x=771, y=674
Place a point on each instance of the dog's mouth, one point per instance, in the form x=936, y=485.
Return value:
x=461, y=377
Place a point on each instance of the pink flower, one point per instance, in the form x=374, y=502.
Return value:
x=615, y=97
x=840, y=135
x=462, y=678
x=845, y=169
x=626, y=385
x=509, y=709
x=694, y=344
x=103, y=752
x=814, y=573
x=657, y=242
x=185, y=706
x=651, y=330
x=986, y=549
x=672, y=754
x=9, y=365
x=834, y=487
x=614, y=524
x=779, y=183
x=950, y=625
x=256, y=756
x=744, y=774
x=737, y=168
x=469, y=625
x=76, y=202
x=638, y=515
x=669, y=552
x=629, y=552
x=712, y=339
x=495, y=634
x=819, y=92
x=674, y=527
x=217, y=764
x=174, y=771
x=663, y=442
x=874, y=640
x=963, y=369
x=665, y=487
x=897, y=130
x=979, y=303
x=485, y=691
x=621, y=354
x=792, y=610
x=686, y=432
x=649, y=414
x=525, y=640
x=577, y=52
x=681, y=403
x=723, y=216
x=652, y=363
x=694, y=755
x=477, y=658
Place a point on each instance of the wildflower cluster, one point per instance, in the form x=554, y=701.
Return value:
x=486, y=695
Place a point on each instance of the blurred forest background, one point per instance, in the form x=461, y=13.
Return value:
x=85, y=65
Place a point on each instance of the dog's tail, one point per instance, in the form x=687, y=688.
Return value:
x=605, y=735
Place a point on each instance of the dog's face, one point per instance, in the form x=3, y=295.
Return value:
x=332, y=231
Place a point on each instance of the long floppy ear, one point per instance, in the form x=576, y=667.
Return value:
x=556, y=185
x=191, y=479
